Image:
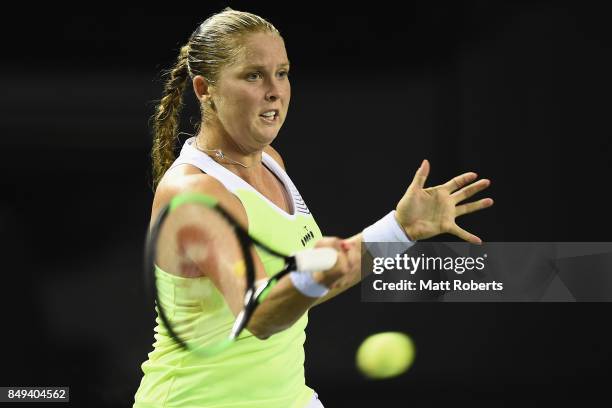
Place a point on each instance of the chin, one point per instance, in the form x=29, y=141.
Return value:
x=267, y=136
x=267, y=139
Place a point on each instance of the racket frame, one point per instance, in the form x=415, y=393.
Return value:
x=253, y=296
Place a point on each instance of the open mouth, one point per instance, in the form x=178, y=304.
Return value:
x=270, y=116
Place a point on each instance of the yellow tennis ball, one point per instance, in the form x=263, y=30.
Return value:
x=385, y=355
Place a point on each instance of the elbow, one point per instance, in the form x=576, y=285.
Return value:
x=259, y=331
x=263, y=332
x=262, y=335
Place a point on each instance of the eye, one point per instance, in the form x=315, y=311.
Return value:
x=283, y=74
x=253, y=76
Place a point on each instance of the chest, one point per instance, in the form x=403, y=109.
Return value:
x=274, y=190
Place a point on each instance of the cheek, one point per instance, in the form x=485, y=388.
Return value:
x=287, y=93
x=242, y=102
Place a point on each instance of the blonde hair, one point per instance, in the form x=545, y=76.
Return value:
x=215, y=44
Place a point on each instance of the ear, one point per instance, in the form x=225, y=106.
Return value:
x=201, y=88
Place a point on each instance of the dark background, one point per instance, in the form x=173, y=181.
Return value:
x=518, y=92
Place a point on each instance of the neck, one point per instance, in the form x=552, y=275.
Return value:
x=246, y=163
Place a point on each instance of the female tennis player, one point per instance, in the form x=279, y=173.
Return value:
x=238, y=67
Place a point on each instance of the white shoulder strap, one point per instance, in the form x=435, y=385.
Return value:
x=298, y=201
x=190, y=155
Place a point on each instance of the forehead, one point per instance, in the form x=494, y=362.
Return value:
x=262, y=49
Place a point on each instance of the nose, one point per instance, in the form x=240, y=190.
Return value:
x=273, y=92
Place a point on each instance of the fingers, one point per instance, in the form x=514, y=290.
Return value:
x=457, y=182
x=468, y=191
x=471, y=207
x=342, y=268
x=353, y=253
x=336, y=274
x=421, y=174
x=464, y=235
x=330, y=242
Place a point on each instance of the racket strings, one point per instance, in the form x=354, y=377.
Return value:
x=206, y=265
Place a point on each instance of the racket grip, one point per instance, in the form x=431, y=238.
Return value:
x=315, y=259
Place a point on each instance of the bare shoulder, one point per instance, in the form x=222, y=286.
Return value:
x=187, y=178
x=275, y=155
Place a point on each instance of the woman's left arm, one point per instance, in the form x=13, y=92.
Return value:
x=422, y=213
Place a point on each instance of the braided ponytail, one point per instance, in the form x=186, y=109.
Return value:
x=167, y=117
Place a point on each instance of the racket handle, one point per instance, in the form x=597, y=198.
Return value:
x=315, y=259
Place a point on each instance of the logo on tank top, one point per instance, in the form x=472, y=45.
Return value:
x=306, y=238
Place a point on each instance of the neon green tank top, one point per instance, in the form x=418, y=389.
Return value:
x=251, y=373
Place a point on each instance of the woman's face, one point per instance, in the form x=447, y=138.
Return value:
x=251, y=96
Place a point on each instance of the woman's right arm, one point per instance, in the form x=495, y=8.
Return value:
x=285, y=304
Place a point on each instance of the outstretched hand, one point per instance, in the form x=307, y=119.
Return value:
x=427, y=212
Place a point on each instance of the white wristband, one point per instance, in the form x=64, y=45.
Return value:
x=304, y=283
x=387, y=229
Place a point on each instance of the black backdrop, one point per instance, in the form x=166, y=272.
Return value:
x=518, y=92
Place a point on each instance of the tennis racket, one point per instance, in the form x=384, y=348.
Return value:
x=194, y=243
